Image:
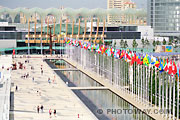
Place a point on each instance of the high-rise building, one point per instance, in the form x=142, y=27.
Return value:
x=122, y=5
x=164, y=17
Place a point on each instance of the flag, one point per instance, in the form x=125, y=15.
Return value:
x=146, y=60
x=103, y=49
x=138, y=59
x=178, y=69
x=174, y=68
x=166, y=65
x=153, y=60
x=13, y=51
x=122, y=54
x=157, y=63
x=133, y=59
x=161, y=66
x=170, y=68
x=98, y=49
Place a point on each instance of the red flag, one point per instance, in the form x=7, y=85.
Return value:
x=13, y=51
x=133, y=59
x=166, y=66
x=174, y=70
x=170, y=68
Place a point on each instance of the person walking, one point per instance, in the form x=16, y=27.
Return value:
x=54, y=112
x=41, y=72
x=49, y=81
x=16, y=88
x=42, y=107
x=38, y=109
x=50, y=112
x=33, y=79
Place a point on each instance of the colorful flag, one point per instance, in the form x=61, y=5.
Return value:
x=170, y=68
x=178, y=69
x=166, y=65
x=161, y=66
x=157, y=63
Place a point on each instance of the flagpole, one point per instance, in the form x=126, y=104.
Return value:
x=159, y=90
x=155, y=88
x=138, y=83
x=178, y=97
x=163, y=91
x=173, y=97
x=148, y=97
x=152, y=72
x=124, y=76
x=141, y=83
x=166, y=93
x=147, y=75
x=136, y=80
x=169, y=97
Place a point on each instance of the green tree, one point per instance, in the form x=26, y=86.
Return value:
x=143, y=42
x=170, y=42
x=154, y=43
x=114, y=44
x=100, y=42
x=147, y=42
x=125, y=44
x=122, y=43
x=134, y=44
x=176, y=43
x=158, y=42
x=164, y=42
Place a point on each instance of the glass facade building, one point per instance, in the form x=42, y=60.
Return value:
x=164, y=17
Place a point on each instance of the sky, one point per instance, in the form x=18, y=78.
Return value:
x=91, y=4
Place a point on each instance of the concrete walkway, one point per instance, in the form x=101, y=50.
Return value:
x=54, y=95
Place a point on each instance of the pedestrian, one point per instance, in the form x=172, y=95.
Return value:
x=16, y=88
x=33, y=79
x=38, y=109
x=54, y=112
x=50, y=112
x=37, y=92
x=49, y=81
x=41, y=72
x=42, y=107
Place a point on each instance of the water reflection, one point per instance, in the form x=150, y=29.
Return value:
x=113, y=107
x=77, y=78
x=61, y=64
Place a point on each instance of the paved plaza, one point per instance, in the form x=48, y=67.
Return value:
x=54, y=95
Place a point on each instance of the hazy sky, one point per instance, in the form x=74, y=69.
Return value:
x=66, y=3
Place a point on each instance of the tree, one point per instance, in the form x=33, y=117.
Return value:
x=122, y=43
x=134, y=44
x=114, y=44
x=125, y=44
x=147, y=42
x=176, y=43
x=164, y=42
x=170, y=42
x=143, y=42
x=154, y=43
x=100, y=42
x=158, y=42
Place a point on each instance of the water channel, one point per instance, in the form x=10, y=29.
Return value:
x=104, y=104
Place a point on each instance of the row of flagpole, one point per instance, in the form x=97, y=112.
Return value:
x=148, y=86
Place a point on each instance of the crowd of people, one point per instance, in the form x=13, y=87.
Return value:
x=27, y=75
